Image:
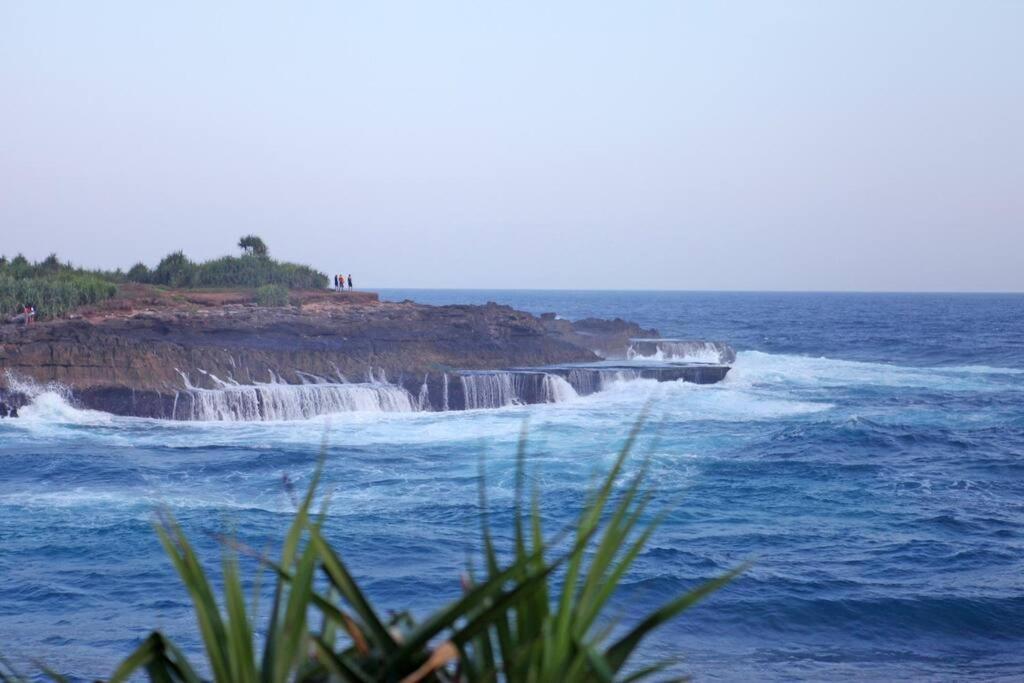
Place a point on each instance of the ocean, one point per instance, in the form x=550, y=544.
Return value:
x=866, y=454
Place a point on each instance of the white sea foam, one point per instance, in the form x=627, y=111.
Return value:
x=761, y=386
x=680, y=350
x=148, y=499
x=50, y=403
x=759, y=368
x=51, y=407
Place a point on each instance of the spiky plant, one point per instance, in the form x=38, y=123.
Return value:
x=541, y=617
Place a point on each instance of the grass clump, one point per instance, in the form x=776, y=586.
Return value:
x=256, y=271
x=539, y=615
x=178, y=271
x=53, y=293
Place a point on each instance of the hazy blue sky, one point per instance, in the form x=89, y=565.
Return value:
x=676, y=145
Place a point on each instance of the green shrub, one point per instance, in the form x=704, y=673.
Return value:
x=515, y=624
x=256, y=271
x=272, y=295
x=19, y=268
x=175, y=270
x=140, y=273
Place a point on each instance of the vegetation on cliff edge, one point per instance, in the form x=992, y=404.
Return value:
x=55, y=287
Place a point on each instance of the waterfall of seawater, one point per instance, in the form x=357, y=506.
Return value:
x=264, y=402
x=492, y=389
x=229, y=401
x=499, y=389
x=423, y=400
x=557, y=389
x=586, y=381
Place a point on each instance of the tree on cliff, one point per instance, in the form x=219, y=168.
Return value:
x=139, y=273
x=175, y=270
x=253, y=246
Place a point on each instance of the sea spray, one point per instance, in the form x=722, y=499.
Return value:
x=690, y=351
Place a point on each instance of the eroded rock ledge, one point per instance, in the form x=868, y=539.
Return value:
x=151, y=353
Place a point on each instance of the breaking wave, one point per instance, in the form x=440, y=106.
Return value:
x=681, y=350
x=50, y=402
x=759, y=386
x=757, y=367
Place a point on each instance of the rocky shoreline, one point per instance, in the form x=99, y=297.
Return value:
x=217, y=355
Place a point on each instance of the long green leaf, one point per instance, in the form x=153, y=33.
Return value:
x=620, y=651
x=139, y=658
x=205, y=606
x=294, y=631
x=503, y=628
x=347, y=587
x=242, y=657
x=589, y=518
x=338, y=664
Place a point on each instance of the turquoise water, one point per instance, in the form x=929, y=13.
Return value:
x=866, y=452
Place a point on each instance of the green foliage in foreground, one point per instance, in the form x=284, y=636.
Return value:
x=515, y=623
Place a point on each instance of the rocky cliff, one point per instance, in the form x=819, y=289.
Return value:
x=152, y=352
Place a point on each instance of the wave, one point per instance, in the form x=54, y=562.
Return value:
x=50, y=402
x=754, y=368
x=681, y=350
x=760, y=386
x=146, y=500
x=54, y=406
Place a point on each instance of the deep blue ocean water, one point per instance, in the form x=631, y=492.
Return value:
x=866, y=452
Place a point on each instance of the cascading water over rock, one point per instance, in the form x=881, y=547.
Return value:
x=586, y=381
x=260, y=402
x=506, y=388
x=218, y=400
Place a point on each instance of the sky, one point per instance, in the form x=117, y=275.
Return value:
x=800, y=145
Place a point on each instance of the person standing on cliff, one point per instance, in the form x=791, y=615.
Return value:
x=341, y=283
x=335, y=281
x=350, y=280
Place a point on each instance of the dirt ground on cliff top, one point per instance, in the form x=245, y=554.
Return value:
x=133, y=298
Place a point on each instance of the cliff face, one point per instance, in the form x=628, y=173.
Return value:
x=606, y=338
x=134, y=357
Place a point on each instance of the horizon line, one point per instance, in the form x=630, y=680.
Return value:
x=706, y=291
